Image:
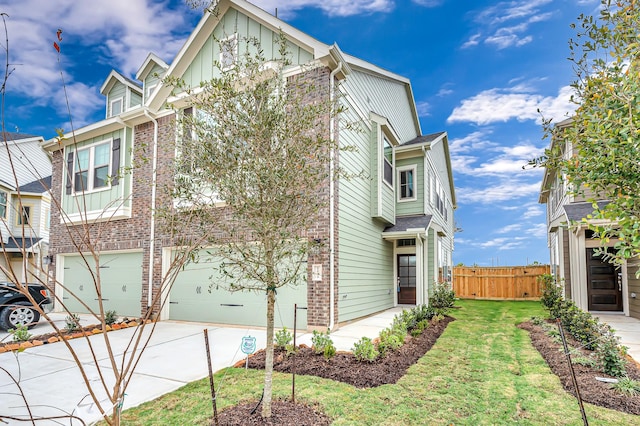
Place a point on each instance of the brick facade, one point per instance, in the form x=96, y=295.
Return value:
x=135, y=233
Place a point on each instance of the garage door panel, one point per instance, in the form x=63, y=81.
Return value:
x=200, y=294
x=121, y=283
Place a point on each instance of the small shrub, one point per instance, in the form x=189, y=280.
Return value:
x=586, y=361
x=72, y=322
x=437, y=317
x=110, y=317
x=609, y=353
x=20, y=333
x=365, y=350
x=551, y=292
x=443, y=297
x=322, y=344
x=390, y=341
x=627, y=386
x=290, y=349
x=282, y=338
x=423, y=312
x=419, y=328
x=537, y=321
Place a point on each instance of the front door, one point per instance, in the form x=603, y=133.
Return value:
x=604, y=284
x=407, y=279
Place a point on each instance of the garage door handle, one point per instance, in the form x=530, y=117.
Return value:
x=173, y=303
x=229, y=304
x=104, y=300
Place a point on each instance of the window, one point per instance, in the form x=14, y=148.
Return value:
x=228, y=51
x=25, y=217
x=47, y=218
x=91, y=166
x=388, y=161
x=407, y=190
x=116, y=106
x=3, y=205
x=407, y=242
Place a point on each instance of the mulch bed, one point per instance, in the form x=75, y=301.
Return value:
x=591, y=390
x=343, y=367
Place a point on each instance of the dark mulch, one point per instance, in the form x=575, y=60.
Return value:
x=591, y=390
x=343, y=367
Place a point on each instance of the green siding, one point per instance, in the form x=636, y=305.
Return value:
x=382, y=195
x=431, y=267
x=118, y=91
x=199, y=294
x=99, y=200
x=201, y=68
x=135, y=99
x=120, y=283
x=405, y=208
x=385, y=97
x=365, y=278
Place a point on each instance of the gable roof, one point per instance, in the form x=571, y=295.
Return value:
x=417, y=223
x=147, y=66
x=114, y=77
x=577, y=211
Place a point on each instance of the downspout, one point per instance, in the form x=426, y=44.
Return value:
x=332, y=242
x=152, y=233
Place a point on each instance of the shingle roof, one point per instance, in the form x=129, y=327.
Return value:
x=577, y=211
x=423, y=139
x=404, y=223
x=16, y=136
x=37, y=186
x=15, y=243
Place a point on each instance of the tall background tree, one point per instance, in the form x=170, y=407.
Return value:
x=605, y=133
x=253, y=167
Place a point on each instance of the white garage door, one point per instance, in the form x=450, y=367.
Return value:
x=198, y=294
x=120, y=278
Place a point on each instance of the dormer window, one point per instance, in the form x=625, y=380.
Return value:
x=228, y=51
x=116, y=107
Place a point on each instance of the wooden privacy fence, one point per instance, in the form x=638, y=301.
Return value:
x=502, y=282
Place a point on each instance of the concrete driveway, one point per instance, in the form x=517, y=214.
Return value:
x=175, y=356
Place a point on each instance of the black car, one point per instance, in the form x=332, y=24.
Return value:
x=15, y=307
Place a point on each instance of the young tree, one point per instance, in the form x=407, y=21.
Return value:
x=253, y=169
x=604, y=130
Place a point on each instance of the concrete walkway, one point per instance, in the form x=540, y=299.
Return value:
x=627, y=328
x=175, y=356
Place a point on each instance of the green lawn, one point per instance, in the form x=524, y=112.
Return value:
x=482, y=370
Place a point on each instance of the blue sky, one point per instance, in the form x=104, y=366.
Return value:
x=480, y=70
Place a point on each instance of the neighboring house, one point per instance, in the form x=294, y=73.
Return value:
x=591, y=282
x=25, y=178
x=389, y=236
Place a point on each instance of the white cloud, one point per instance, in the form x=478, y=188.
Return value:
x=428, y=3
x=512, y=10
x=533, y=211
x=474, y=40
x=498, y=191
x=502, y=105
x=330, y=7
x=423, y=108
x=509, y=228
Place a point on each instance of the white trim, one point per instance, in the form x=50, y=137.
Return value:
x=104, y=215
x=91, y=170
x=399, y=170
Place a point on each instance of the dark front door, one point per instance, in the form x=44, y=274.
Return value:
x=604, y=284
x=407, y=279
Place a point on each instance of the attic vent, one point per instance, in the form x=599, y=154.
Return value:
x=408, y=242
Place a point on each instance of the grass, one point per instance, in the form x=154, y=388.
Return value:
x=482, y=371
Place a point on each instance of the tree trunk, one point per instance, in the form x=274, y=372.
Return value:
x=268, y=364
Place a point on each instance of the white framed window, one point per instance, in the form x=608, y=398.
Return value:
x=91, y=168
x=228, y=51
x=116, y=106
x=24, y=218
x=407, y=183
x=3, y=205
x=387, y=160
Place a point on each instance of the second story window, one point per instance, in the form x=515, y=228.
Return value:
x=407, y=183
x=25, y=217
x=91, y=167
x=3, y=205
x=388, y=162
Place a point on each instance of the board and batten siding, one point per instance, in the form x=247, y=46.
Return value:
x=634, y=287
x=153, y=78
x=413, y=207
x=365, y=277
x=106, y=198
x=385, y=97
x=234, y=22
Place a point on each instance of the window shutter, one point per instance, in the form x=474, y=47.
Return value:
x=69, y=173
x=115, y=162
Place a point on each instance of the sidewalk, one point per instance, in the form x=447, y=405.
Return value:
x=627, y=328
